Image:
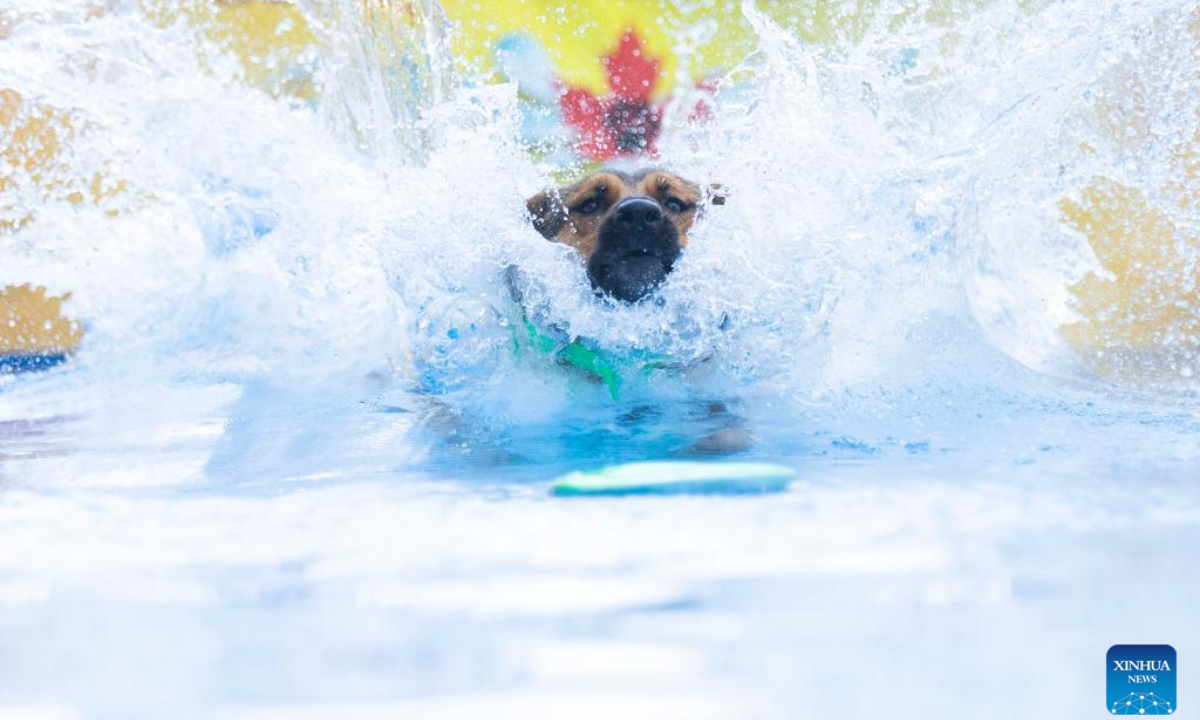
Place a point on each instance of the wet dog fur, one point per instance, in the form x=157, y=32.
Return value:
x=626, y=261
x=628, y=228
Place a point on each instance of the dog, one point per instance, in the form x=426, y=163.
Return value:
x=629, y=229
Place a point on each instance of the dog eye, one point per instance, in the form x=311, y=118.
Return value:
x=675, y=205
x=588, y=207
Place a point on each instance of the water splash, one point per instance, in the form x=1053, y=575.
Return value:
x=957, y=234
x=382, y=66
x=909, y=200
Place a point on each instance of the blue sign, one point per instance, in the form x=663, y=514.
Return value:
x=1141, y=680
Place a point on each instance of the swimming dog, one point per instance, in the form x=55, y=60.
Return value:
x=629, y=229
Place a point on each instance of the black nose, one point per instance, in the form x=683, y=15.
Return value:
x=638, y=212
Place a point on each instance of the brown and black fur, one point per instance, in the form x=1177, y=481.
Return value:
x=627, y=262
x=629, y=229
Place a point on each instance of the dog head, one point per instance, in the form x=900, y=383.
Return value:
x=629, y=229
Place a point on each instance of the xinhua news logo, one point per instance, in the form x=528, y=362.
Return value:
x=1141, y=680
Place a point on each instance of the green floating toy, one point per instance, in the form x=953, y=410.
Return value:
x=676, y=478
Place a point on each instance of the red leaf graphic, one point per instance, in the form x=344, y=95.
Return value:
x=632, y=74
x=622, y=122
x=587, y=113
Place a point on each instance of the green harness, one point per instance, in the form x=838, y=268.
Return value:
x=608, y=369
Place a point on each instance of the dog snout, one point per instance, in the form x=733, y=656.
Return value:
x=639, y=213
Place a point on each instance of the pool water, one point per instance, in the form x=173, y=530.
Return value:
x=297, y=470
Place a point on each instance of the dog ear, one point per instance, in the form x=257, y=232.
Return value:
x=548, y=213
x=715, y=194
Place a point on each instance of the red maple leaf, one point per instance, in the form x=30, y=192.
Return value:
x=632, y=74
x=587, y=113
x=622, y=122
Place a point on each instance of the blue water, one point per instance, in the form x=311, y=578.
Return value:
x=297, y=472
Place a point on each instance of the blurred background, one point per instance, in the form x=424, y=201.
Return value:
x=266, y=450
x=603, y=80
